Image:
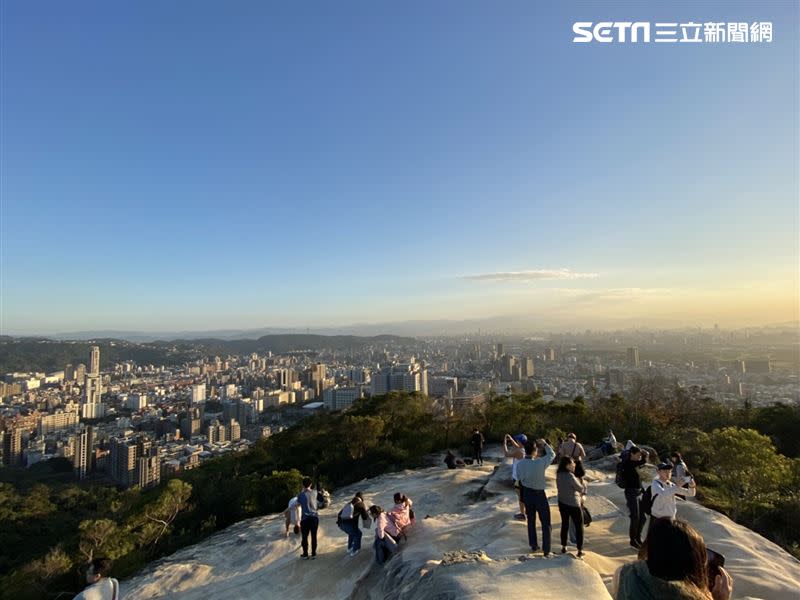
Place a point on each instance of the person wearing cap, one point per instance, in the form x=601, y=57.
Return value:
x=663, y=492
x=516, y=453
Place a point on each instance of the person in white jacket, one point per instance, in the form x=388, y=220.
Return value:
x=664, y=491
x=101, y=586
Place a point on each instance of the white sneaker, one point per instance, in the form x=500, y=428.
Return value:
x=353, y=552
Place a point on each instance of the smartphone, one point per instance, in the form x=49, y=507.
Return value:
x=715, y=561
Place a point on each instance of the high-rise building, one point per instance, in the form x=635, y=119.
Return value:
x=82, y=456
x=401, y=377
x=192, y=422
x=443, y=387
x=526, y=367
x=198, y=393
x=12, y=447
x=137, y=402
x=94, y=361
x=217, y=433
x=499, y=350
x=616, y=379
x=316, y=379
x=234, y=431
x=341, y=397
x=550, y=354
x=286, y=378
x=148, y=471
x=632, y=356
x=58, y=422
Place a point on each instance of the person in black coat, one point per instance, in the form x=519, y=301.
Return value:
x=477, y=446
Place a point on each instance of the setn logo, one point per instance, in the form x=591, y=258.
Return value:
x=606, y=31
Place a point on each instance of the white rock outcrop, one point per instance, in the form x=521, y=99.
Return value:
x=460, y=548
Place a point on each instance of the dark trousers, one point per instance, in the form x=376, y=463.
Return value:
x=477, y=455
x=637, y=516
x=536, y=504
x=309, y=525
x=384, y=548
x=574, y=513
x=350, y=527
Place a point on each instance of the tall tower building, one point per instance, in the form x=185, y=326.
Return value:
x=632, y=356
x=198, y=393
x=82, y=458
x=12, y=447
x=94, y=361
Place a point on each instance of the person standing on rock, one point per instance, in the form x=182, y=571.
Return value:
x=477, y=446
x=570, y=447
x=347, y=520
x=531, y=470
x=516, y=453
x=632, y=484
x=570, y=500
x=663, y=493
x=309, y=521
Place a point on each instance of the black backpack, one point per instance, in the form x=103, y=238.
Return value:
x=619, y=478
x=646, y=503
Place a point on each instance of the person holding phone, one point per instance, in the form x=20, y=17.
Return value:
x=664, y=491
x=673, y=565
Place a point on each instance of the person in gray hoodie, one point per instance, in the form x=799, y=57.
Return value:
x=570, y=492
x=309, y=519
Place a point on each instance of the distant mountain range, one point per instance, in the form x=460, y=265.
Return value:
x=496, y=325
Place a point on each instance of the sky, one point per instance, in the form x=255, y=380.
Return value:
x=202, y=165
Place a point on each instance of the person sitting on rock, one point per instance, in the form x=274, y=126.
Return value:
x=609, y=445
x=386, y=535
x=101, y=586
x=680, y=472
x=570, y=500
x=673, y=565
x=291, y=516
x=516, y=452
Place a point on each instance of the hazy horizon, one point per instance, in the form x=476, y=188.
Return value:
x=182, y=168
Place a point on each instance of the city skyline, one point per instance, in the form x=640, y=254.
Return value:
x=174, y=169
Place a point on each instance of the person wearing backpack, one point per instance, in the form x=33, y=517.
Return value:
x=664, y=491
x=628, y=479
x=101, y=586
x=347, y=520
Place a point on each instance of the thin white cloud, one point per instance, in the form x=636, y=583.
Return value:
x=615, y=294
x=533, y=275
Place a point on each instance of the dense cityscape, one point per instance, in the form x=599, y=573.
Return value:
x=133, y=424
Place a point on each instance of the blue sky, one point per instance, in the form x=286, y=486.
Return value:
x=202, y=165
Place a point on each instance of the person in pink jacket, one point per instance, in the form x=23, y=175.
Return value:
x=386, y=535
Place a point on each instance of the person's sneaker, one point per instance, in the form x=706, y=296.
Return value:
x=313, y=556
x=353, y=552
x=520, y=517
x=563, y=549
x=546, y=554
x=304, y=556
x=536, y=549
x=635, y=544
x=580, y=553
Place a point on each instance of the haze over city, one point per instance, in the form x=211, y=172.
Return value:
x=172, y=168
